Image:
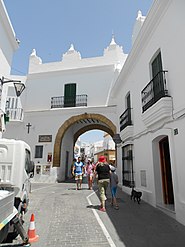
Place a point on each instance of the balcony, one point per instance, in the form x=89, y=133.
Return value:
x=154, y=91
x=125, y=119
x=126, y=126
x=14, y=114
x=156, y=102
x=159, y=112
x=61, y=101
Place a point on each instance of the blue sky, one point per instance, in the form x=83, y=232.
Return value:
x=50, y=26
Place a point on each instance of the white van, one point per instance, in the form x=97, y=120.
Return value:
x=16, y=168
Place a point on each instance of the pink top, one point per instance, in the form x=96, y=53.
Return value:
x=90, y=169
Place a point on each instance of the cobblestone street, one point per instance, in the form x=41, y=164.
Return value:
x=63, y=217
x=66, y=217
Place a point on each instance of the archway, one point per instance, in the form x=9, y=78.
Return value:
x=91, y=127
x=94, y=121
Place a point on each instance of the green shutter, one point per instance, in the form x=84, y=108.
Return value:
x=70, y=95
x=157, y=65
x=158, y=85
x=128, y=101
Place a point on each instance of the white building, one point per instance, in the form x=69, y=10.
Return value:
x=63, y=100
x=95, y=148
x=144, y=103
x=149, y=95
x=8, y=45
x=108, y=142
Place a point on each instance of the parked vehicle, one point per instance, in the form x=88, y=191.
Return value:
x=16, y=168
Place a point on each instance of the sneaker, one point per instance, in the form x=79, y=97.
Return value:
x=103, y=209
x=116, y=207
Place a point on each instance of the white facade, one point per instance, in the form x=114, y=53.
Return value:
x=45, y=113
x=148, y=113
x=95, y=148
x=8, y=45
x=153, y=142
x=108, y=143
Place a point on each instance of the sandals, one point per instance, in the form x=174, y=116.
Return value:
x=103, y=209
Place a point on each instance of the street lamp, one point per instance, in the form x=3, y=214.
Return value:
x=19, y=87
x=117, y=140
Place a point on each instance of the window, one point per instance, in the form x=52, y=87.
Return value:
x=70, y=95
x=157, y=75
x=27, y=161
x=125, y=118
x=157, y=65
x=11, y=103
x=127, y=166
x=128, y=108
x=38, y=151
x=157, y=87
x=128, y=104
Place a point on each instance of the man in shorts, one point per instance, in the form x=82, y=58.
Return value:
x=78, y=171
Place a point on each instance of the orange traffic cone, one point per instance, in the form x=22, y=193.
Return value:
x=31, y=231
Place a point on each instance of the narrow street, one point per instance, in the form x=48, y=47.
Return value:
x=66, y=217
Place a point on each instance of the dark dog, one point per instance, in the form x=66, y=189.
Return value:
x=136, y=195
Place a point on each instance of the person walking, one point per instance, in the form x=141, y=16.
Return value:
x=90, y=173
x=113, y=186
x=72, y=165
x=78, y=171
x=103, y=172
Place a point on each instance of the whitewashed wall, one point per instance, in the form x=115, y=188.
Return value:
x=8, y=46
x=93, y=77
x=162, y=30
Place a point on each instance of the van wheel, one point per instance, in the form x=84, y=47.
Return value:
x=4, y=233
x=11, y=236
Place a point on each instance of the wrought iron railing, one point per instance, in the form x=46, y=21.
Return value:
x=154, y=90
x=14, y=114
x=125, y=119
x=61, y=101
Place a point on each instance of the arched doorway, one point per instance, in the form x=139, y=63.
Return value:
x=167, y=184
x=163, y=172
x=70, y=130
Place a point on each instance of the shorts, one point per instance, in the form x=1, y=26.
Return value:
x=78, y=176
x=90, y=176
x=102, y=184
x=113, y=191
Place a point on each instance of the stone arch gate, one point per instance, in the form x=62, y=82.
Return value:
x=69, y=132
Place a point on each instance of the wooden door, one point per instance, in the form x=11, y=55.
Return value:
x=167, y=182
x=70, y=95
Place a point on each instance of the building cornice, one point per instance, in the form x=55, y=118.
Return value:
x=78, y=110
x=66, y=71
x=144, y=36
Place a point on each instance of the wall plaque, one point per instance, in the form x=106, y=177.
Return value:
x=45, y=138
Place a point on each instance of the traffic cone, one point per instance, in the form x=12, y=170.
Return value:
x=31, y=230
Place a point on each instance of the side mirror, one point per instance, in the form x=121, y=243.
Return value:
x=31, y=175
x=31, y=167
